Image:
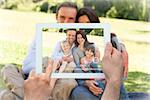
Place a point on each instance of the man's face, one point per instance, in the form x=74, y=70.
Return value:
x=71, y=36
x=66, y=15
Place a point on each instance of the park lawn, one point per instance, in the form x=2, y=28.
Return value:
x=18, y=29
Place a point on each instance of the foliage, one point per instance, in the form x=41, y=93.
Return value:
x=129, y=9
x=112, y=12
x=100, y=6
x=97, y=32
x=122, y=9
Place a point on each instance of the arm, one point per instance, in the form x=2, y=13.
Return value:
x=29, y=61
x=97, y=53
x=82, y=65
x=113, y=70
x=57, y=51
x=82, y=61
x=76, y=57
x=121, y=47
x=63, y=66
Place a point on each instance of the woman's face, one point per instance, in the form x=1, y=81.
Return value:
x=80, y=39
x=83, y=19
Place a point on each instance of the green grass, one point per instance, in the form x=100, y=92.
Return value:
x=18, y=30
x=138, y=82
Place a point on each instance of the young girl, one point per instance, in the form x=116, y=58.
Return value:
x=59, y=91
x=89, y=65
x=89, y=62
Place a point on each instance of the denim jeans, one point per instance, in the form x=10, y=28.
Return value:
x=82, y=93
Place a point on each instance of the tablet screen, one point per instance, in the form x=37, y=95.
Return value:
x=52, y=43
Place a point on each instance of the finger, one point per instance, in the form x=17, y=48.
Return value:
x=48, y=71
x=124, y=55
x=95, y=88
x=94, y=92
x=123, y=48
x=32, y=73
x=108, y=50
x=115, y=52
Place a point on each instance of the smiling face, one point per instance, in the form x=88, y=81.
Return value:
x=89, y=53
x=71, y=36
x=65, y=46
x=80, y=39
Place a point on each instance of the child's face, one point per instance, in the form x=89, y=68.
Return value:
x=89, y=53
x=65, y=47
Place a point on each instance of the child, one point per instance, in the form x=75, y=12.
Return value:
x=60, y=66
x=89, y=65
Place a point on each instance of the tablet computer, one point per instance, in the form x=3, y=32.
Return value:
x=48, y=34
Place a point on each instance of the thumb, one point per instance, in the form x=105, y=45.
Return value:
x=108, y=50
x=32, y=73
x=49, y=70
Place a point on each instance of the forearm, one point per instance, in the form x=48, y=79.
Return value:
x=62, y=67
x=112, y=90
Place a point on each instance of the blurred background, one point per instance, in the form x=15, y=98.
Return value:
x=129, y=19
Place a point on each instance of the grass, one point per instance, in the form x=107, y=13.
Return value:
x=18, y=28
x=141, y=84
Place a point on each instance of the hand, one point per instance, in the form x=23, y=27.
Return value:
x=67, y=59
x=91, y=84
x=37, y=87
x=82, y=42
x=96, y=59
x=112, y=63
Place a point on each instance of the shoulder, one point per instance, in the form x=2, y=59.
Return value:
x=75, y=49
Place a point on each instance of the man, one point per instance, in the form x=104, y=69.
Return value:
x=66, y=13
x=63, y=87
x=112, y=67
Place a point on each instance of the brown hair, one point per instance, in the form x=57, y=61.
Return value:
x=90, y=13
x=67, y=4
x=83, y=34
x=90, y=47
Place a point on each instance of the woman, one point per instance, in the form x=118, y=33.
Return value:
x=81, y=42
x=88, y=15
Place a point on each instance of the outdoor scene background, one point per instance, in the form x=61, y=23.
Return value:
x=129, y=19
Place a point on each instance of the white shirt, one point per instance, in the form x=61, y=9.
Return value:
x=29, y=62
x=58, y=53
